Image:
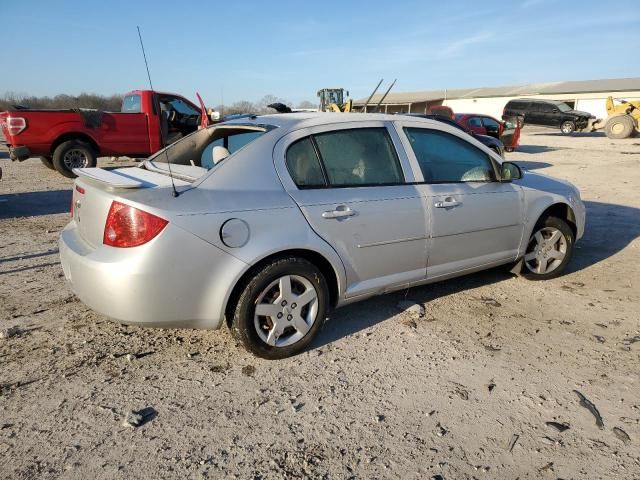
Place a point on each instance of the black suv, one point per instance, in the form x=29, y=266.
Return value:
x=548, y=113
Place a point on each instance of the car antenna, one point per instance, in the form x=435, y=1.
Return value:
x=146, y=64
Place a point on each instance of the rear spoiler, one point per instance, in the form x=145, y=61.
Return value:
x=112, y=179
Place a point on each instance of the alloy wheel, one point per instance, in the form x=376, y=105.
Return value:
x=75, y=158
x=546, y=251
x=286, y=310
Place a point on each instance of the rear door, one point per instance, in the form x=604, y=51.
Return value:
x=475, y=220
x=354, y=187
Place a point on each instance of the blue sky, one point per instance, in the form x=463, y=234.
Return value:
x=246, y=49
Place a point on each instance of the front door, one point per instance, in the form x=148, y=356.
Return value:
x=475, y=220
x=353, y=187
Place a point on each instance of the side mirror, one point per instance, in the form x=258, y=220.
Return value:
x=510, y=171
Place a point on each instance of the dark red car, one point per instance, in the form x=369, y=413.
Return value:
x=508, y=131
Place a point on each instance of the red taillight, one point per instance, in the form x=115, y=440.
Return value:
x=15, y=125
x=71, y=210
x=127, y=226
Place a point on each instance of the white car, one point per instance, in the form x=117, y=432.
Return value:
x=267, y=223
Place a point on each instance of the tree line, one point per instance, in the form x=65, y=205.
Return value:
x=112, y=103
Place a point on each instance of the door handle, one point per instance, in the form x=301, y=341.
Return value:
x=341, y=211
x=447, y=203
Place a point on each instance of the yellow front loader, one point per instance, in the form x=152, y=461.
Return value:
x=623, y=118
x=333, y=100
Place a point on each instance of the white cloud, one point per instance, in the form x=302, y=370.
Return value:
x=455, y=48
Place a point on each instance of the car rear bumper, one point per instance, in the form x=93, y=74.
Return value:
x=19, y=153
x=176, y=280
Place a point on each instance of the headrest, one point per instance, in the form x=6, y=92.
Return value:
x=219, y=153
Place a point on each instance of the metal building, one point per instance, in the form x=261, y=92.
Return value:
x=585, y=95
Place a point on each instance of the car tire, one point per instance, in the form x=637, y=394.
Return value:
x=568, y=127
x=73, y=154
x=509, y=149
x=47, y=162
x=549, y=249
x=619, y=127
x=291, y=326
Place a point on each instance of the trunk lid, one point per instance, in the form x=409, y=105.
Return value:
x=95, y=189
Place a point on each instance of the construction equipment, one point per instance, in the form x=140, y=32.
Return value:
x=623, y=118
x=333, y=100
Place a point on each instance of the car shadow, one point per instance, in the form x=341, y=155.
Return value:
x=359, y=316
x=610, y=228
x=32, y=204
x=531, y=165
x=574, y=134
x=537, y=149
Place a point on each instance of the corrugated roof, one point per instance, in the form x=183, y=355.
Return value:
x=579, y=86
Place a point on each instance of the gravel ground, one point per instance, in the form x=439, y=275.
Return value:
x=464, y=391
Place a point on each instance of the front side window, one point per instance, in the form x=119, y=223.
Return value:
x=345, y=158
x=490, y=122
x=445, y=158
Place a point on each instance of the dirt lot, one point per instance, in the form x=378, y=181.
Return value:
x=463, y=392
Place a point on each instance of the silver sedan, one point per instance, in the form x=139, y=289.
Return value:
x=267, y=223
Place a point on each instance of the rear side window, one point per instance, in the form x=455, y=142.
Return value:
x=303, y=165
x=445, y=158
x=517, y=105
x=345, y=158
x=474, y=122
x=131, y=104
x=363, y=156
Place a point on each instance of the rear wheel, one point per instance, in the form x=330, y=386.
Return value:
x=281, y=308
x=73, y=154
x=568, y=127
x=47, y=162
x=549, y=250
x=619, y=127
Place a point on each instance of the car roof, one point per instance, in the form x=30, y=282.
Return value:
x=294, y=121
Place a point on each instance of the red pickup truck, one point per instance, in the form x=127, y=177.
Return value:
x=68, y=139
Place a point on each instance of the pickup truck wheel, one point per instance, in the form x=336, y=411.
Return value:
x=73, y=154
x=619, y=127
x=47, y=162
x=568, y=127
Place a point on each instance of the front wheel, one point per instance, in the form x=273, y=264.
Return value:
x=619, y=127
x=73, y=154
x=281, y=308
x=568, y=127
x=549, y=250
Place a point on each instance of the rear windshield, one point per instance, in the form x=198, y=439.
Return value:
x=202, y=150
x=131, y=104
